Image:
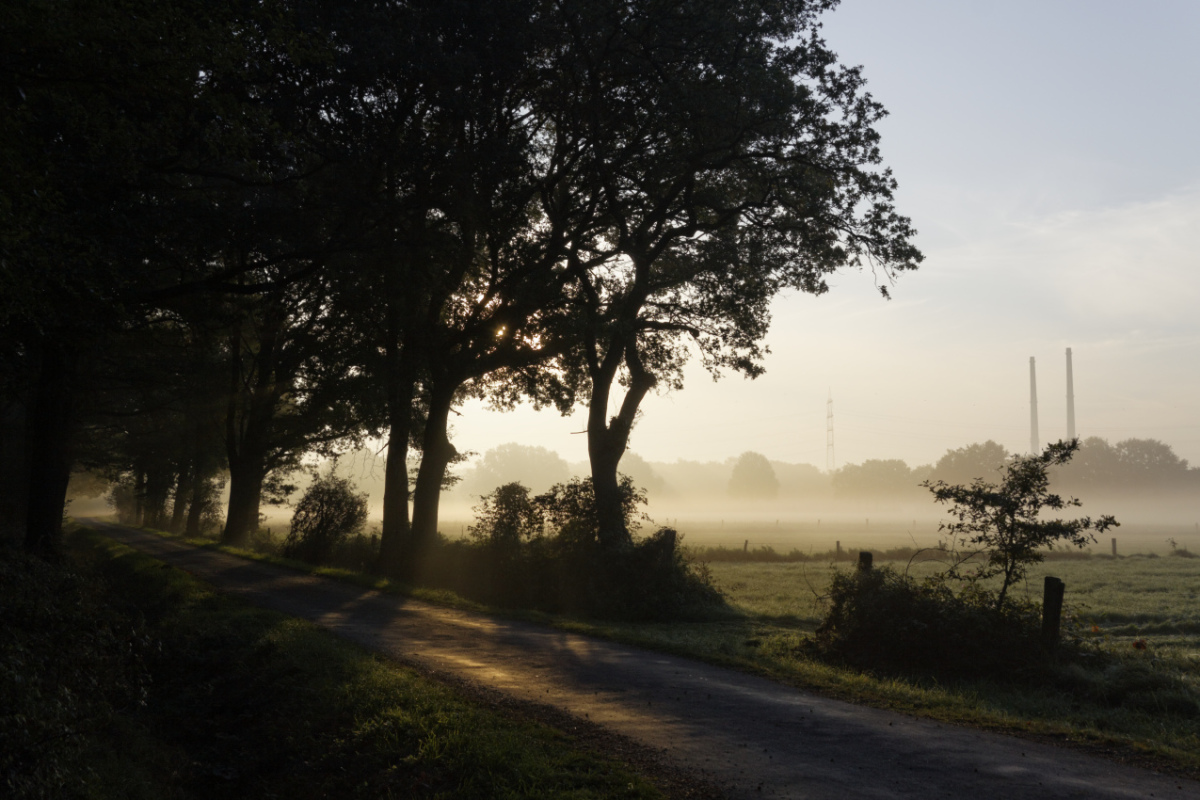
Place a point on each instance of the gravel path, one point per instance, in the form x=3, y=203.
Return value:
x=749, y=736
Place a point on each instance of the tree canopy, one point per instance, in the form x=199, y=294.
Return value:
x=346, y=219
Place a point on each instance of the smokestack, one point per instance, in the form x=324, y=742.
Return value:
x=1070, y=398
x=1034, y=439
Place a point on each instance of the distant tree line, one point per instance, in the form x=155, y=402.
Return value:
x=1143, y=466
x=1132, y=465
x=234, y=236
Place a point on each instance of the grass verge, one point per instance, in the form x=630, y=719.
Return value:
x=222, y=699
x=769, y=644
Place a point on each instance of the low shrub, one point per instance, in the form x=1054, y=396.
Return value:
x=329, y=511
x=880, y=619
x=648, y=580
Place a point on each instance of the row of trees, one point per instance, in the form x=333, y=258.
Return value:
x=1141, y=465
x=234, y=235
x=1132, y=465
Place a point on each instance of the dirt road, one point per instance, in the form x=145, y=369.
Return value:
x=750, y=737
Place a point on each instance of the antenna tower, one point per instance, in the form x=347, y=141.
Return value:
x=1035, y=446
x=830, y=461
x=1070, y=398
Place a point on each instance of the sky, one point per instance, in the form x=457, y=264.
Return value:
x=1047, y=154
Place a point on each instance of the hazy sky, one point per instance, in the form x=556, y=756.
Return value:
x=1047, y=154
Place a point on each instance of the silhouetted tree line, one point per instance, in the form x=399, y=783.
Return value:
x=234, y=234
x=1131, y=465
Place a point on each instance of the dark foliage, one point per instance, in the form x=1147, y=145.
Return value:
x=69, y=662
x=880, y=619
x=329, y=511
x=545, y=553
x=1003, y=523
x=506, y=517
x=951, y=624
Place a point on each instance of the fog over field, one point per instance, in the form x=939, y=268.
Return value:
x=749, y=500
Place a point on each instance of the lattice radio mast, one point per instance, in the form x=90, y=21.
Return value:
x=1070, y=398
x=1035, y=445
x=830, y=461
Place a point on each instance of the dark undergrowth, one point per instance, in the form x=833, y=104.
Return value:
x=648, y=580
x=889, y=623
x=123, y=677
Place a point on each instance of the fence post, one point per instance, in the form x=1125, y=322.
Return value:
x=839, y=548
x=1114, y=547
x=667, y=556
x=1052, y=602
x=864, y=560
x=746, y=547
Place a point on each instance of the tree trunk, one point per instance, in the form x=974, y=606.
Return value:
x=158, y=486
x=436, y=454
x=604, y=454
x=395, y=498
x=198, y=488
x=48, y=447
x=608, y=439
x=139, y=497
x=247, y=431
x=246, y=475
x=199, y=499
x=179, y=503
x=401, y=378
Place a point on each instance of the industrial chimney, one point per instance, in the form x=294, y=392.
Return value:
x=1034, y=439
x=1070, y=398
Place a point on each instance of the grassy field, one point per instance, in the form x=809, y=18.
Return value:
x=1125, y=596
x=221, y=699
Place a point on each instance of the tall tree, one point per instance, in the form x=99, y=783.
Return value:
x=733, y=157
x=293, y=386
x=475, y=217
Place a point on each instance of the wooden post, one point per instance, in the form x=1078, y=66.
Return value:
x=667, y=556
x=1052, y=602
x=864, y=560
x=746, y=547
x=1114, y=547
x=839, y=548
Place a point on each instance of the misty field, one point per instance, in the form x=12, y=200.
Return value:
x=1136, y=596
